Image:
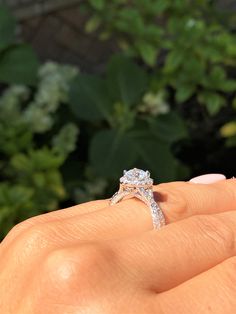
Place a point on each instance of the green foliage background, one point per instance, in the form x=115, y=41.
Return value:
x=166, y=102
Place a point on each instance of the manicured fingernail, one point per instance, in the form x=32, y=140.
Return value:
x=208, y=178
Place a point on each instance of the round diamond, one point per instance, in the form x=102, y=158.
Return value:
x=137, y=177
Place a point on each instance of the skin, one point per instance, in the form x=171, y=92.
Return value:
x=96, y=259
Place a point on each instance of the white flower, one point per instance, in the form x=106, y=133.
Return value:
x=52, y=92
x=154, y=104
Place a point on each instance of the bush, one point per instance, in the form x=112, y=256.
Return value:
x=186, y=45
x=33, y=146
x=189, y=52
x=130, y=124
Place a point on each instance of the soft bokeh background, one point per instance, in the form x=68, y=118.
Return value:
x=89, y=88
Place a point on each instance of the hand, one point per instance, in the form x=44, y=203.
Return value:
x=98, y=259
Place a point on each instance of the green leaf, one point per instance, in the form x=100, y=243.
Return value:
x=173, y=61
x=18, y=65
x=97, y=4
x=184, y=92
x=218, y=75
x=216, y=79
x=228, y=129
x=88, y=98
x=169, y=127
x=160, y=6
x=92, y=24
x=157, y=158
x=126, y=81
x=111, y=153
x=129, y=19
x=148, y=52
x=213, y=101
x=7, y=27
x=228, y=86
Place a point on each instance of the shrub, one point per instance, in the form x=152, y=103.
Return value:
x=186, y=43
x=34, y=146
x=189, y=52
x=129, y=124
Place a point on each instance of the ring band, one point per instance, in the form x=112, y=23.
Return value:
x=137, y=183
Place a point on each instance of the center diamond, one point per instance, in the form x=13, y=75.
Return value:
x=136, y=177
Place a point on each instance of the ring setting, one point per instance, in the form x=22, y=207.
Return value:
x=138, y=183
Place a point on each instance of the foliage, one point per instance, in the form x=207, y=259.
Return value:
x=18, y=62
x=228, y=131
x=187, y=46
x=189, y=51
x=138, y=127
x=33, y=147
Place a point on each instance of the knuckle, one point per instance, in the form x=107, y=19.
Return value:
x=33, y=239
x=30, y=243
x=59, y=268
x=19, y=228
x=81, y=266
x=215, y=229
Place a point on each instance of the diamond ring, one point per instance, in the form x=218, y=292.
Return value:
x=137, y=183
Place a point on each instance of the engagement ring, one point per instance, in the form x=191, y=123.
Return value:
x=137, y=183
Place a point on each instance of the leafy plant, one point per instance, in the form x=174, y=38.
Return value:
x=186, y=43
x=34, y=146
x=132, y=126
x=18, y=62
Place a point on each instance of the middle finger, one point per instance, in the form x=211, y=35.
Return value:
x=162, y=260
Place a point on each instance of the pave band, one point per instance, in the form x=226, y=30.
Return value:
x=137, y=183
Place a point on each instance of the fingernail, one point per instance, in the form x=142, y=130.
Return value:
x=208, y=178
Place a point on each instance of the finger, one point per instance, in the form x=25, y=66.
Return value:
x=211, y=292
x=174, y=198
x=96, y=205
x=125, y=219
x=54, y=216
x=61, y=214
x=179, y=251
x=208, y=178
x=179, y=200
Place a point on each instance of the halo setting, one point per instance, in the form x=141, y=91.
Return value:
x=138, y=183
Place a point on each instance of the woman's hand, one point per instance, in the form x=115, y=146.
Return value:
x=97, y=259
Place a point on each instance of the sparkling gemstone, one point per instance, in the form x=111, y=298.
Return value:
x=137, y=177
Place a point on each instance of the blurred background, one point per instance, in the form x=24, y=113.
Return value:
x=90, y=88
